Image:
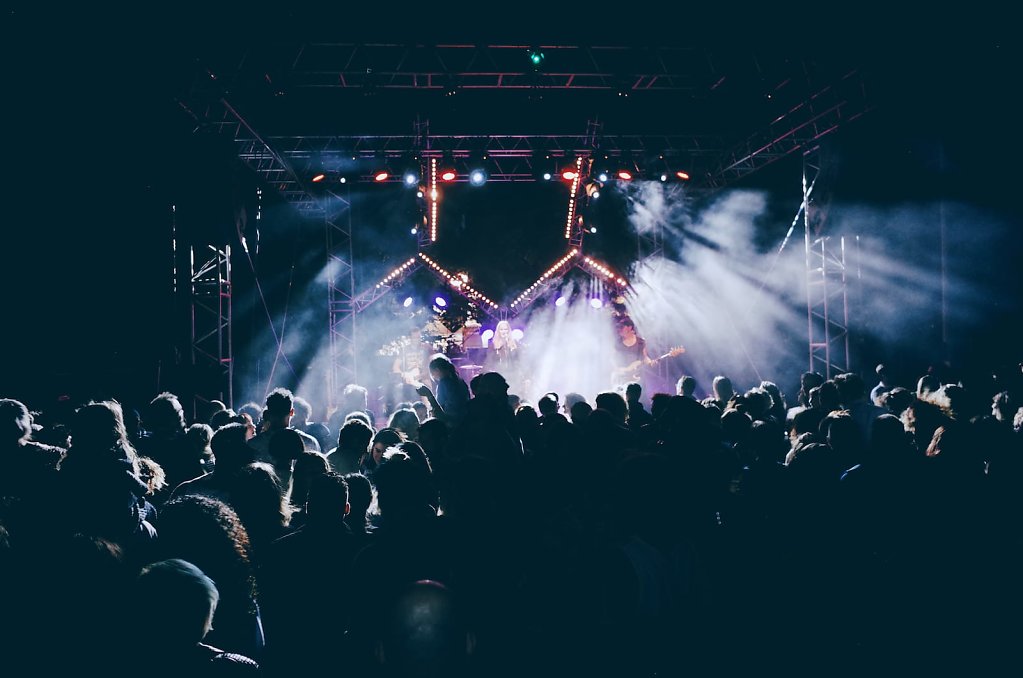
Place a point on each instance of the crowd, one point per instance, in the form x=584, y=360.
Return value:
x=474, y=534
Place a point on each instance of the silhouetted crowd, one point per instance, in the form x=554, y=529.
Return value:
x=856, y=530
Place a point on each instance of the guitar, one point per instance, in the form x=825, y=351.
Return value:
x=630, y=372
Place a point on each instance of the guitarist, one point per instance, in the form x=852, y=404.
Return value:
x=630, y=353
x=632, y=358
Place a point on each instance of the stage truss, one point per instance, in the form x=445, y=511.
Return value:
x=818, y=103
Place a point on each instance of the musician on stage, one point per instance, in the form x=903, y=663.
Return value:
x=504, y=345
x=631, y=358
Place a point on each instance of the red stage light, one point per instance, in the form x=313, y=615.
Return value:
x=448, y=175
x=380, y=176
x=625, y=175
x=569, y=175
x=319, y=177
x=684, y=176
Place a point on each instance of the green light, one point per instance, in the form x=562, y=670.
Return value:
x=536, y=57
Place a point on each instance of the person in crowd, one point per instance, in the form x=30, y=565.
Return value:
x=451, y=401
x=181, y=602
x=352, y=446
x=277, y=417
x=303, y=421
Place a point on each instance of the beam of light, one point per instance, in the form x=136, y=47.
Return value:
x=517, y=334
x=596, y=302
x=560, y=301
x=576, y=347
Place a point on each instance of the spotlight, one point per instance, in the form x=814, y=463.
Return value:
x=664, y=177
x=414, y=230
x=595, y=302
x=625, y=175
x=477, y=177
x=486, y=337
x=441, y=301
x=593, y=229
x=602, y=177
x=536, y=57
x=419, y=194
x=411, y=179
x=518, y=334
x=407, y=302
x=546, y=176
x=448, y=175
x=684, y=176
x=560, y=301
x=380, y=176
x=343, y=180
x=318, y=178
x=569, y=175
x=596, y=194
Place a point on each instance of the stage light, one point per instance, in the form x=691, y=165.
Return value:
x=536, y=57
x=411, y=179
x=560, y=301
x=625, y=175
x=477, y=177
x=546, y=176
x=380, y=176
x=595, y=302
x=414, y=230
x=517, y=334
x=441, y=301
x=408, y=302
x=318, y=178
x=569, y=175
x=419, y=194
x=664, y=177
x=596, y=194
x=684, y=176
x=343, y=180
x=602, y=177
x=593, y=229
x=448, y=175
x=486, y=337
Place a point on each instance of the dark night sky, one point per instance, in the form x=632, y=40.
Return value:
x=97, y=150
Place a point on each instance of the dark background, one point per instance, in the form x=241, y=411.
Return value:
x=98, y=150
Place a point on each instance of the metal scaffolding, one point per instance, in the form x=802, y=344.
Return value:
x=827, y=284
x=337, y=217
x=212, y=352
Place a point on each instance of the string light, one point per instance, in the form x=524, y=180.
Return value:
x=433, y=199
x=459, y=282
x=548, y=274
x=605, y=271
x=397, y=272
x=571, y=198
